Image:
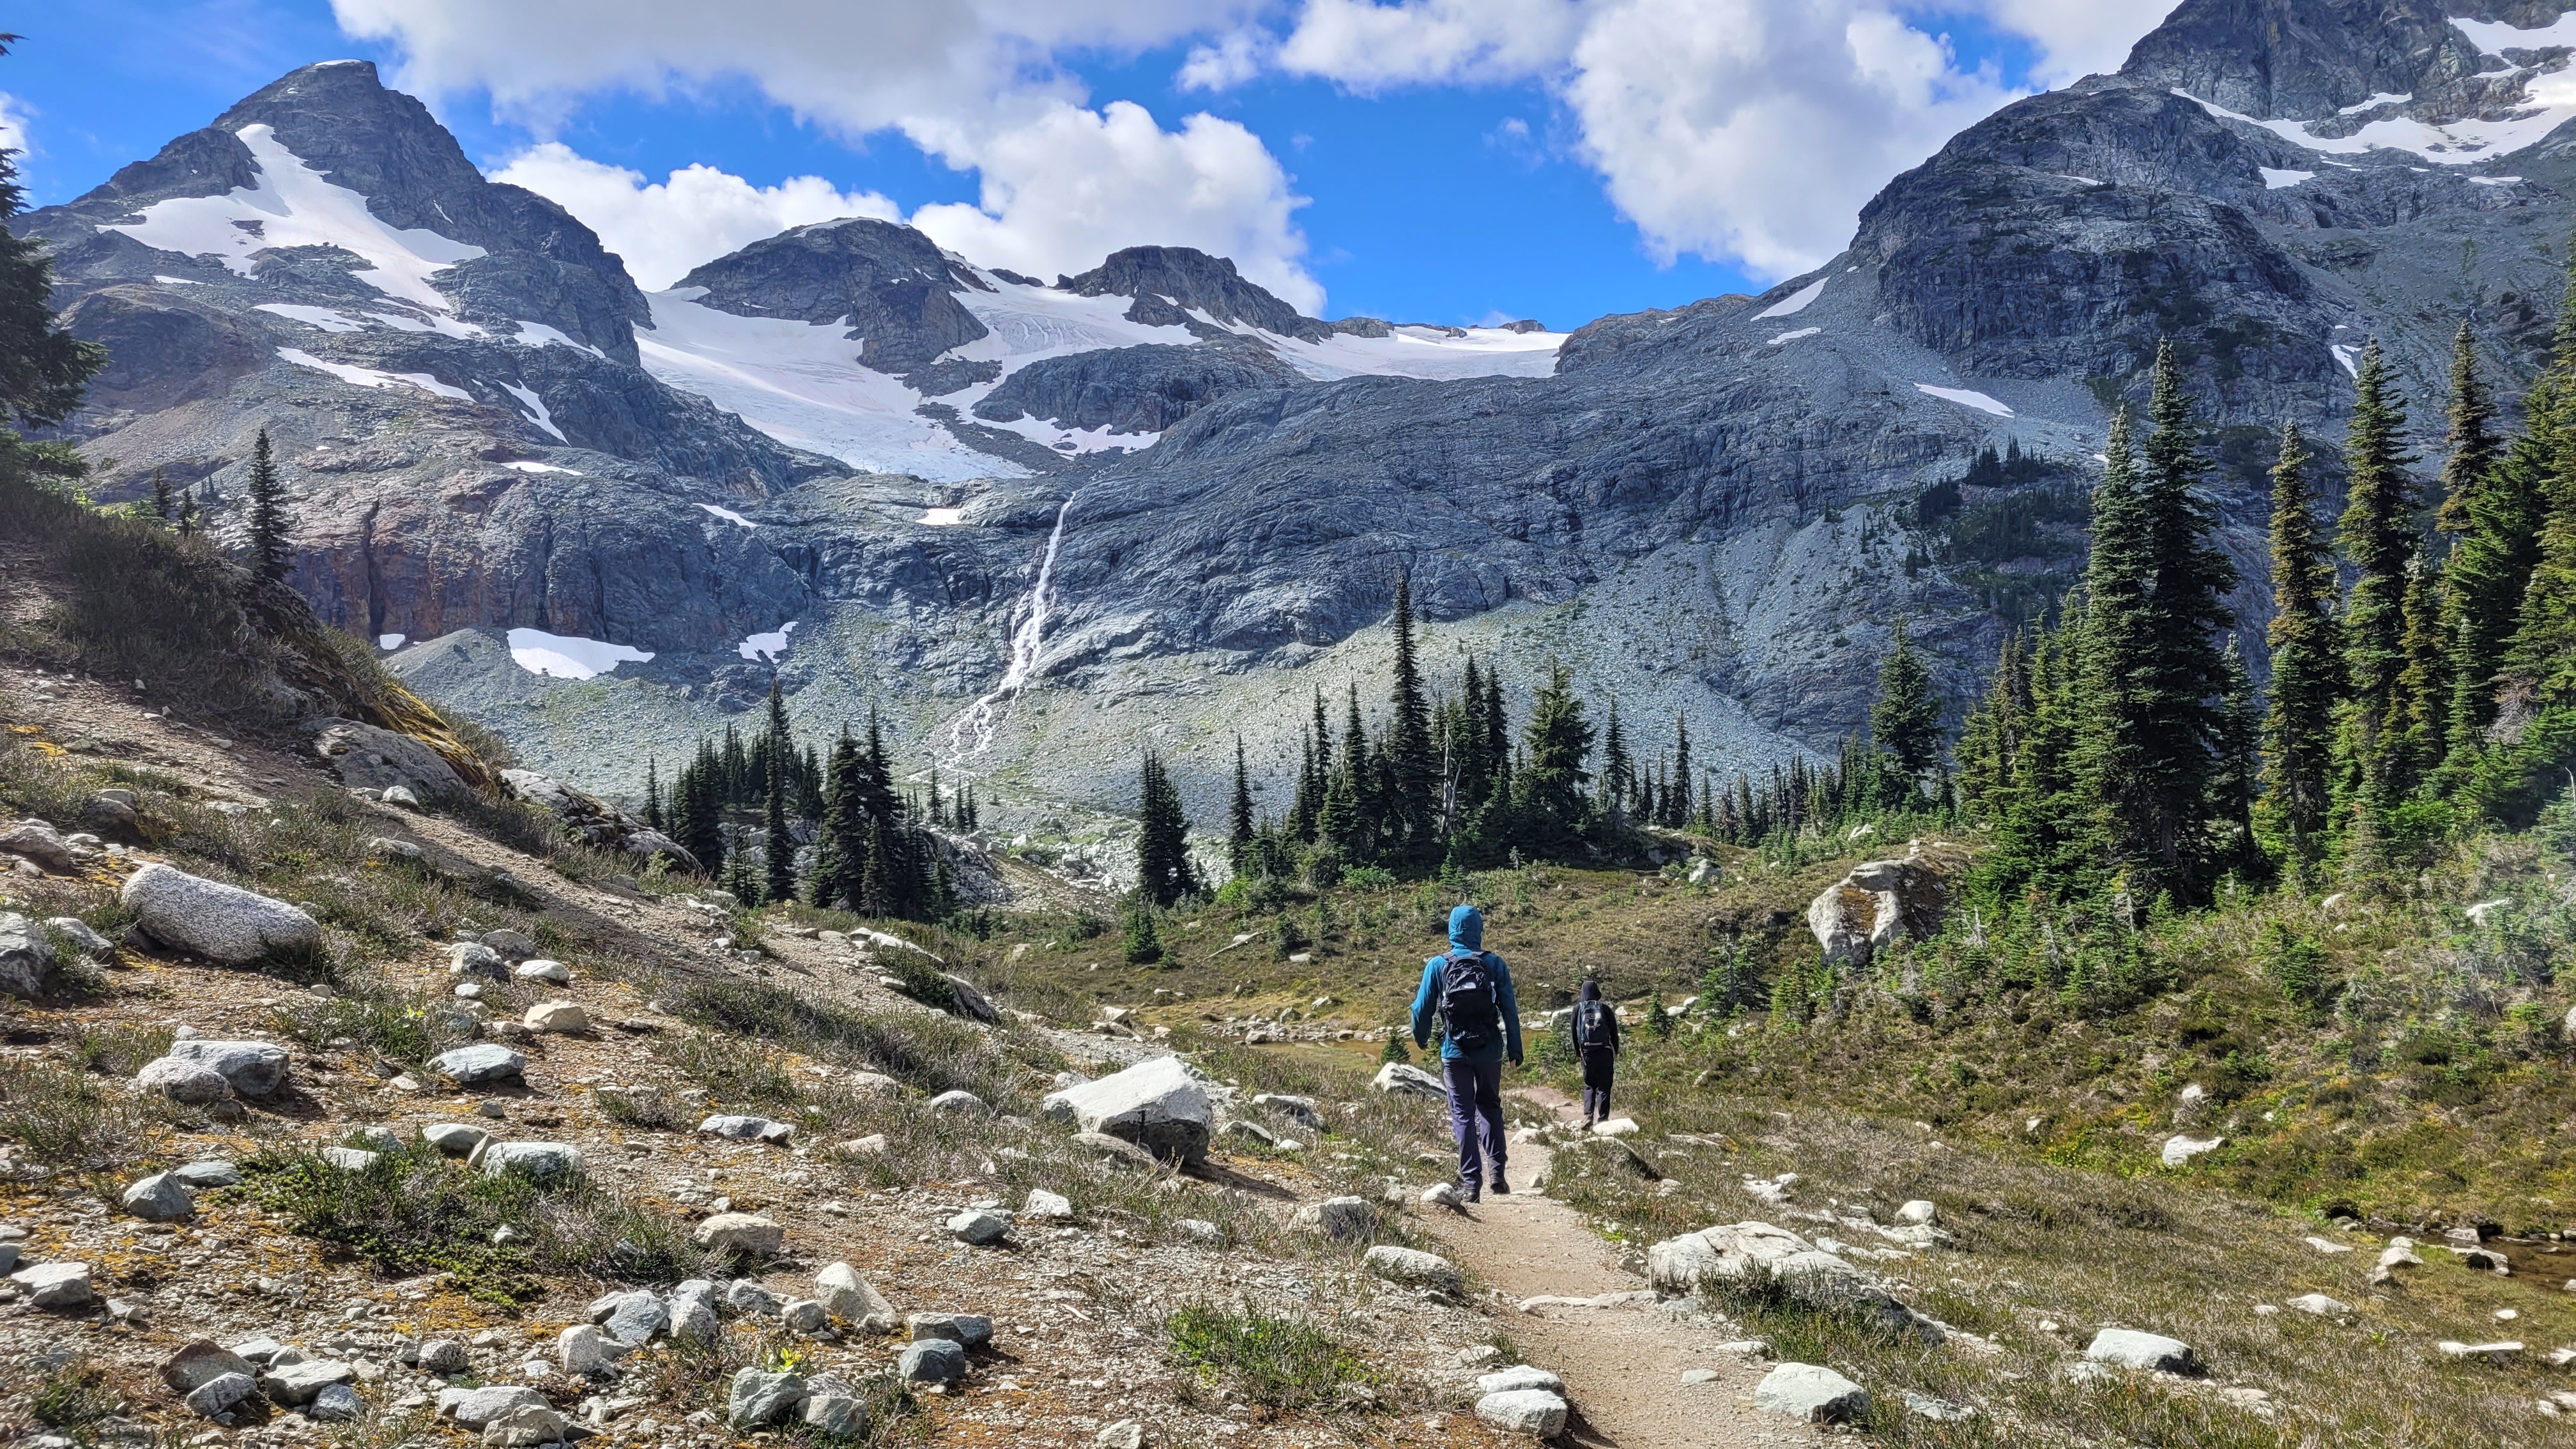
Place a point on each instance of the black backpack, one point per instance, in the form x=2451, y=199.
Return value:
x=1469, y=1007
x=1588, y=1019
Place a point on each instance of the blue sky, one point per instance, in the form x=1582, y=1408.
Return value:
x=1454, y=201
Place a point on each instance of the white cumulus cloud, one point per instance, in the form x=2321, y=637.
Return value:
x=1745, y=130
x=664, y=228
x=975, y=83
x=13, y=122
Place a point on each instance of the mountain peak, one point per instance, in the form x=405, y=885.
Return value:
x=1170, y=282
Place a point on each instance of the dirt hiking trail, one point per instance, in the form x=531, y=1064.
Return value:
x=1623, y=1361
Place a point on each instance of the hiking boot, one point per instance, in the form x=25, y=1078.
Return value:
x=1501, y=1188
x=1471, y=1193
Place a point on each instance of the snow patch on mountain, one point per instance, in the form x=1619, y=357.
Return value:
x=2463, y=142
x=289, y=204
x=369, y=377
x=569, y=656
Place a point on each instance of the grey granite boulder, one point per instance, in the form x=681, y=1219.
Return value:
x=472, y=1066
x=931, y=1361
x=757, y=1399
x=250, y=1068
x=222, y=923
x=1811, y=1393
x=1155, y=1104
x=160, y=1198
x=26, y=956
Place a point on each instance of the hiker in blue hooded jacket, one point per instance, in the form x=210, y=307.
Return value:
x=1471, y=990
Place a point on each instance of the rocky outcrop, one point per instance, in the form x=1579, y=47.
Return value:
x=888, y=283
x=1682, y=1266
x=1155, y=1104
x=1169, y=283
x=1135, y=389
x=595, y=822
x=1882, y=902
x=368, y=758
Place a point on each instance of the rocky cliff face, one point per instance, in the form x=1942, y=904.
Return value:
x=1716, y=510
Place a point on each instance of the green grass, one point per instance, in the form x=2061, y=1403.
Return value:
x=66, y=1117
x=1278, y=1364
x=414, y=1211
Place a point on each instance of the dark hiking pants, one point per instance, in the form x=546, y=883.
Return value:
x=1596, y=1084
x=1475, y=1102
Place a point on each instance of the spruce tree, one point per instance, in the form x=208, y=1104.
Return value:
x=1677, y=787
x=653, y=794
x=2307, y=663
x=1906, y=720
x=778, y=846
x=1475, y=766
x=841, y=850
x=2377, y=538
x=270, y=552
x=1415, y=774
x=164, y=502
x=43, y=368
x=1615, y=766
x=1549, y=788
x=1163, y=869
x=1241, y=842
x=2492, y=563
x=2240, y=759
x=2113, y=660
x=2424, y=686
x=2473, y=444
x=2186, y=614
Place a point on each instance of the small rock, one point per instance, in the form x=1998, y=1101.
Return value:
x=386, y=845
x=1337, y=1217
x=1045, y=1206
x=1115, y=1149
x=444, y=1356
x=200, y=1361
x=1918, y=1214
x=978, y=1229
x=1519, y=1377
x=960, y=1100
x=2320, y=1305
x=471, y=1066
x=872, y=1084
x=526, y=1427
x=158, y=1199
x=748, y=1298
x=931, y=1361
x=742, y=1233
x=848, y=1297
x=693, y=1313
x=834, y=1415
x=474, y=1408
x=1201, y=1230
x=1413, y=1268
x=55, y=1285
x=180, y=1080
x=250, y=1068
x=334, y=1404
x=967, y=1330
x=1125, y=1434
x=76, y=932
x=629, y=1320
x=747, y=1128
x=26, y=956
x=1441, y=1194
x=543, y=1162
x=1811, y=1393
x=513, y=944
x=805, y=1316
x=1700, y=1376
x=220, y=1394
x=1940, y=1410
x=1398, y=1079
x=1524, y=1411
x=454, y=1139
x=562, y=1017
x=2128, y=1348
x=298, y=1383
x=541, y=970
x=349, y=1159
x=2449, y=1349
x=213, y=1172
x=2180, y=1149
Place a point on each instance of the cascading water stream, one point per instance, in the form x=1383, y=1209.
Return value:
x=980, y=717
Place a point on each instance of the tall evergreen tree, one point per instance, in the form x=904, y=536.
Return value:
x=2112, y=660
x=778, y=846
x=1414, y=773
x=2186, y=614
x=1677, y=786
x=2377, y=539
x=43, y=368
x=841, y=846
x=1163, y=869
x=2493, y=560
x=1906, y=720
x=2240, y=760
x=2474, y=448
x=1615, y=767
x=164, y=501
x=270, y=553
x=1549, y=788
x=2307, y=663
x=2424, y=686
x=1475, y=764
x=1241, y=842
x=653, y=794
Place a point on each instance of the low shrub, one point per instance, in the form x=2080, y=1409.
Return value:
x=1282, y=1365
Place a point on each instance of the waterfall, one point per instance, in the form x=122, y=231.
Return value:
x=979, y=716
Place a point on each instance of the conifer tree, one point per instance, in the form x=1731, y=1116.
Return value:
x=1475, y=764
x=1241, y=843
x=2492, y=563
x=1163, y=869
x=778, y=846
x=187, y=515
x=2377, y=538
x=1677, y=786
x=2473, y=443
x=2113, y=657
x=270, y=553
x=164, y=502
x=1498, y=730
x=841, y=845
x=2186, y=614
x=1991, y=734
x=653, y=794
x=1615, y=766
x=2307, y=663
x=2240, y=758
x=1414, y=801
x=2424, y=686
x=1906, y=720
x=1548, y=789
x=739, y=877
x=43, y=368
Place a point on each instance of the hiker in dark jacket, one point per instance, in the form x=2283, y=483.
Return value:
x=1596, y=1045
x=1471, y=990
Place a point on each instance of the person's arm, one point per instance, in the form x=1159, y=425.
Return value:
x=1612, y=1017
x=1425, y=1002
x=1511, y=1012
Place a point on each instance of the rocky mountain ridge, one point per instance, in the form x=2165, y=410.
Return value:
x=849, y=457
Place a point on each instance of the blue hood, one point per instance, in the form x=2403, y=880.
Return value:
x=1467, y=929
